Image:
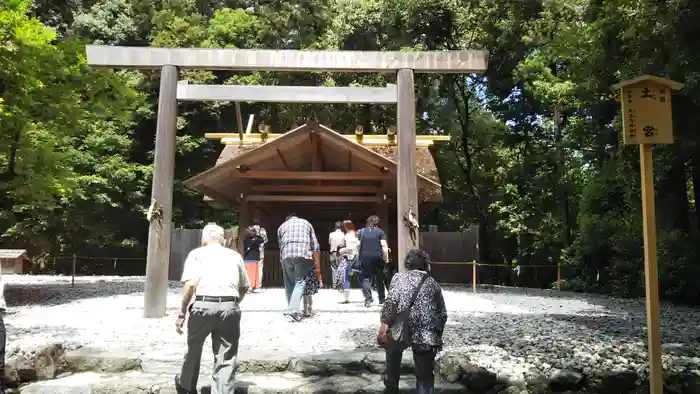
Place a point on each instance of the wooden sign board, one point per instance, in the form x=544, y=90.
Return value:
x=646, y=114
x=646, y=110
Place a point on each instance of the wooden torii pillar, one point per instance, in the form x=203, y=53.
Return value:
x=169, y=60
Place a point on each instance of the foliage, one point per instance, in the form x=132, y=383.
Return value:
x=535, y=159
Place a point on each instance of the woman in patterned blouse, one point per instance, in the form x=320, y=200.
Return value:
x=426, y=321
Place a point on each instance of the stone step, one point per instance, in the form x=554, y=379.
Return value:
x=353, y=362
x=136, y=382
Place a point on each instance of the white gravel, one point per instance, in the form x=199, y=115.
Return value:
x=501, y=330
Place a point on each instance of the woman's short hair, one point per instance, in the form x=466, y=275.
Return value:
x=348, y=225
x=338, y=225
x=417, y=259
x=372, y=221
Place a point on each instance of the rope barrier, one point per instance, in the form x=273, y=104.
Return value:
x=492, y=265
x=474, y=265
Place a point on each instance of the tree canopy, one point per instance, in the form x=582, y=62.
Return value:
x=536, y=159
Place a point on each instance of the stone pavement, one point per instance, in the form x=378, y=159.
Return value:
x=261, y=383
x=259, y=372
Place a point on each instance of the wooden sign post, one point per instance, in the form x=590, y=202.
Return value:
x=647, y=120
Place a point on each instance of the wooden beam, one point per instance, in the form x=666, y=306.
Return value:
x=316, y=159
x=313, y=199
x=367, y=140
x=239, y=119
x=215, y=195
x=281, y=156
x=406, y=185
x=313, y=175
x=316, y=156
x=314, y=189
x=159, y=229
x=286, y=60
x=288, y=94
x=244, y=220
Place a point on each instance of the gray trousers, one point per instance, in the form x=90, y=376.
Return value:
x=223, y=321
x=295, y=270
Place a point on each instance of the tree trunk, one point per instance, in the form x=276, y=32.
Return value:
x=695, y=170
x=676, y=185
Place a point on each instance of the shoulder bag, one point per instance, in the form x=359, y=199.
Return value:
x=355, y=263
x=399, y=334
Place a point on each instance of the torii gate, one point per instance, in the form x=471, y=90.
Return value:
x=170, y=60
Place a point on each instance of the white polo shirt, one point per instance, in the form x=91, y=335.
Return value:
x=219, y=271
x=336, y=239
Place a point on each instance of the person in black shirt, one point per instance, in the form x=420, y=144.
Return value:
x=373, y=252
x=251, y=251
x=251, y=245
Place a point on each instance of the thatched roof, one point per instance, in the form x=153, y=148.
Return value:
x=291, y=151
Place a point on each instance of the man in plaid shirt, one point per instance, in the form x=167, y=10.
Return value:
x=299, y=250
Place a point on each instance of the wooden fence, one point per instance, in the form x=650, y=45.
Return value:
x=449, y=247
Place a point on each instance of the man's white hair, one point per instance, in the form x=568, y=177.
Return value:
x=211, y=233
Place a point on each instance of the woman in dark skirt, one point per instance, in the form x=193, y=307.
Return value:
x=311, y=288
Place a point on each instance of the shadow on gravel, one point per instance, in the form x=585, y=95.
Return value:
x=49, y=294
x=498, y=292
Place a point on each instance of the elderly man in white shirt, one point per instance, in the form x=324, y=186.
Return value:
x=216, y=278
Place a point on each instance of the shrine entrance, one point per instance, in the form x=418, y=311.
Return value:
x=171, y=60
x=317, y=173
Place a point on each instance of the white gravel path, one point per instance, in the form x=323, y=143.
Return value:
x=501, y=330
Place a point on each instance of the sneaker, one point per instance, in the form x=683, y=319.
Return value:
x=295, y=317
x=368, y=303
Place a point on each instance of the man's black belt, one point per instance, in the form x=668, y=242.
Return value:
x=216, y=299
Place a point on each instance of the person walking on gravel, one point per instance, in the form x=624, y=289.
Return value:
x=216, y=279
x=415, y=308
x=259, y=230
x=372, y=254
x=336, y=241
x=299, y=250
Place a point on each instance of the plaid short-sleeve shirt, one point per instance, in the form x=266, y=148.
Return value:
x=297, y=238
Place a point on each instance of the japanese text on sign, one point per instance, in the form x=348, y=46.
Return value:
x=647, y=114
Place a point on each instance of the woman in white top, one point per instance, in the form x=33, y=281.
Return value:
x=347, y=255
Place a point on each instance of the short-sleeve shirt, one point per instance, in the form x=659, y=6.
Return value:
x=219, y=271
x=370, y=242
x=297, y=238
x=336, y=240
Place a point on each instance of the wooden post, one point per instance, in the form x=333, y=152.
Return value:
x=383, y=212
x=244, y=220
x=650, y=268
x=559, y=277
x=159, y=229
x=72, y=279
x=406, y=187
x=474, y=277
x=647, y=119
x=239, y=119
